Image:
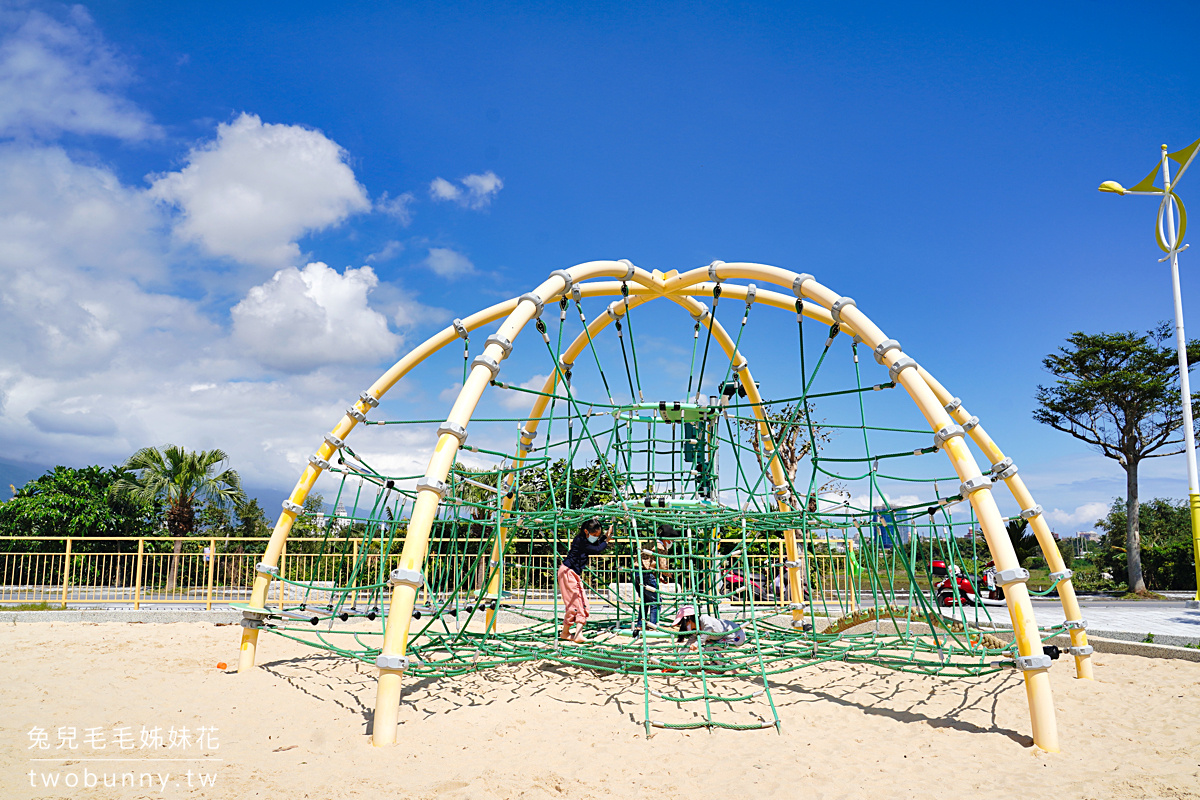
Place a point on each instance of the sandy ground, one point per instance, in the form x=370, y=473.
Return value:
x=298, y=728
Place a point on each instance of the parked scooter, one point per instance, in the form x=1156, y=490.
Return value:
x=988, y=594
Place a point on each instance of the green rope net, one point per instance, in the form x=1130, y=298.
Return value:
x=684, y=485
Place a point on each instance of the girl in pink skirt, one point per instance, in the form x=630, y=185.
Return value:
x=589, y=541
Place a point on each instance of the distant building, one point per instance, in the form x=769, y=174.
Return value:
x=886, y=529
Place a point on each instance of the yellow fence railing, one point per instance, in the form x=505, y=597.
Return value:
x=122, y=572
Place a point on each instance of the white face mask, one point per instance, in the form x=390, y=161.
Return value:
x=593, y=539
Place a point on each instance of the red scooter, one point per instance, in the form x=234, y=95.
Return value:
x=989, y=595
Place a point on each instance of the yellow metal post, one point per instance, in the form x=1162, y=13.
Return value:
x=282, y=565
x=354, y=562
x=212, y=560
x=66, y=572
x=1195, y=504
x=137, y=581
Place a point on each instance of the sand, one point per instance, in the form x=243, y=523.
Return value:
x=298, y=728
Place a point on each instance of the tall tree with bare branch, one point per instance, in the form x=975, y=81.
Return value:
x=1119, y=392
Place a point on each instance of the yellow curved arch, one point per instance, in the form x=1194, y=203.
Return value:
x=679, y=287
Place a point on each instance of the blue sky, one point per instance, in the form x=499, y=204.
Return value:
x=939, y=164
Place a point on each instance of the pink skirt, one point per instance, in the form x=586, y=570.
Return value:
x=570, y=586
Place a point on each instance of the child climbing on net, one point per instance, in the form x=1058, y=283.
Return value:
x=719, y=631
x=590, y=541
x=645, y=577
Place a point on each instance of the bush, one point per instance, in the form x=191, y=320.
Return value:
x=1090, y=580
x=1166, y=537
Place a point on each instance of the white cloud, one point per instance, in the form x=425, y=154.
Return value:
x=1083, y=517
x=410, y=313
x=79, y=248
x=399, y=207
x=60, y=76
x=449, y=263
x=390, y=250
x=475, y=192
x=521, y=401
x=254, y=191
x=302, y=319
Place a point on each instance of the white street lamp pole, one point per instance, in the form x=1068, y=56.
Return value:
x=1169, y=237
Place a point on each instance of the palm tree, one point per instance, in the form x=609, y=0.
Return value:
x=179, y=479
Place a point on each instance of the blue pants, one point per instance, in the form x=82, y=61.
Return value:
x=646, y=584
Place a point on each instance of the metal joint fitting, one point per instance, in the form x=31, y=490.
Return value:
x=266, y=569
x=1075, y=624
x=1065, y=575
x=836, y=309
x=398, y=663
x=1003, y=470
x=611, y=310
x=1016, y=575
x=798, y=624
x=288, y=505
x=566, y=365
x=484, y=360
x=792, y=564
x=334, y=441
x=1030, y=513
x=704, y=313
x=455, y=430
x=629, y=268
x=356, y=415
x=798, y=284
x=945, y=434
x=501, y=342
x=406, y=577
x=318, y=462
x=971, y=424
x=251, y=623
x=533, y=298
x=1086, y=650
x=737, y=368
x=530, y=435
x=576, y=295
x=883, y=348
x=954, y=405
x=433, y=485
x=795, y=606
x=751, y=293
x=251, y=614
x=972, y=485
x=369, y=399
x=459, y=328
x=712, y=271
x=567, y=281
x=1030, y=663
x=899, y=365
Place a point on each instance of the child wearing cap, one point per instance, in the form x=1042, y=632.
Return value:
x=720, y=631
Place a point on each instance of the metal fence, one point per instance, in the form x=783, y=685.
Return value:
x=208, y=571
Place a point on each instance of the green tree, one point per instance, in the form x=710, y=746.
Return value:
x=793, y=442
x=1119, y=393
x=1023, y=541
x=178, y=479
x=1166, y=539
x=76, y=503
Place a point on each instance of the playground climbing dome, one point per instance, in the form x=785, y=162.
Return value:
x=747, y=461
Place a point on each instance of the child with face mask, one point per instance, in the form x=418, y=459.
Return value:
x=591, y=540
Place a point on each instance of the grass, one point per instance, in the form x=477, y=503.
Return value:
x=32, y=607
x=1146, y=595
